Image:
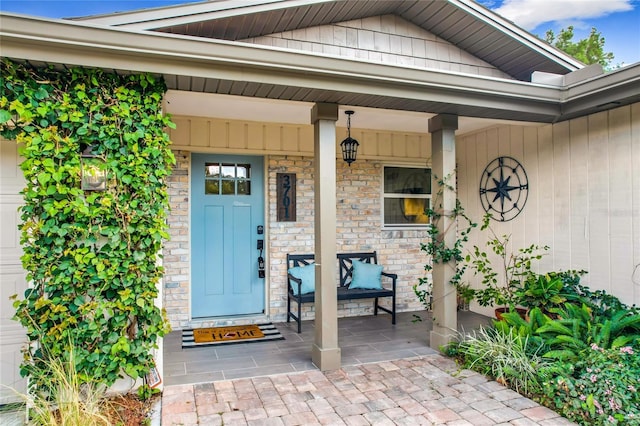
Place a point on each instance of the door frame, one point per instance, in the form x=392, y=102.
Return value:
x=206, y=321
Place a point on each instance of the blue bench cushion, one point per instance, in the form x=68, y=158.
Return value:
x=307, y=274
x=366, y=275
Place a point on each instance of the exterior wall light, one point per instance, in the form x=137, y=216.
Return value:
x=349, y=145
x=93, y=172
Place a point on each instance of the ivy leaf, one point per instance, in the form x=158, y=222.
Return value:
x=4, y=116
x=43, y=178
x=41, y=93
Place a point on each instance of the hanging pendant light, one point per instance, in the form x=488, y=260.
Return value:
x=349, y=145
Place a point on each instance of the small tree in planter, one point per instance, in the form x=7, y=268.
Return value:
x=502, y=283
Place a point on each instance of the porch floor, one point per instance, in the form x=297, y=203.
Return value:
x=361, y=339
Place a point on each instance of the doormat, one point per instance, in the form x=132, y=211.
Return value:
x=216, y=336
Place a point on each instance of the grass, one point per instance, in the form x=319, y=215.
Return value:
x=506, y=356
x=64, y=400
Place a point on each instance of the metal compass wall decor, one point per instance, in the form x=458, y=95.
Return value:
x=504, y=188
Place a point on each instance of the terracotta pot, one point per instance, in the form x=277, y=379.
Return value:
x=521, y=311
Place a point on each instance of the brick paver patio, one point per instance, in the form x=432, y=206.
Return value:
x=427, y=390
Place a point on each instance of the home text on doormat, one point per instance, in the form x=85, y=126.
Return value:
x=227, y=335
x=222, y=334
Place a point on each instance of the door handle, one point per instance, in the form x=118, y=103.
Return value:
x=261, y=259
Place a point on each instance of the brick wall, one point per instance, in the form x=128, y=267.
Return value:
x=359, y=229
x=176, y=260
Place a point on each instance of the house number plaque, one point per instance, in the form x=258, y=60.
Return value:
x=286, y=194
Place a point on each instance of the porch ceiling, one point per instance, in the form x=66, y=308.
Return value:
x=463, y=23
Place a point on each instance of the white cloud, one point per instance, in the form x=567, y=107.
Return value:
x=528, y=14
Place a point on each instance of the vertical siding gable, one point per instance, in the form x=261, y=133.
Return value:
x=387, y=39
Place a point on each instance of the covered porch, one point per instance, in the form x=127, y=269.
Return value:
x=362, y=340
x=439, y=102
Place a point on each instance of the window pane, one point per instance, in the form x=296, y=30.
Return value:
x=243, y=171
x=212, y=169
x=405, y=180
x=211, y=187
x=228, y=171
x=244, y=187
x=405, y=211
x=228, y=187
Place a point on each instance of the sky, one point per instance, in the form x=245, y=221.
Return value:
x=617, y=20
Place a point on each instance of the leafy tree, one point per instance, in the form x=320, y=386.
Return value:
x=589, y=50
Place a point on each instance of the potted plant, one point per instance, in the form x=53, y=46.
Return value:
x=464, y=294
x=503, y=282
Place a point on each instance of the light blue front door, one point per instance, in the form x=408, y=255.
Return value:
x=227, y=210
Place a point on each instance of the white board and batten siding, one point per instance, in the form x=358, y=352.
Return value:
x=200, y=134
x=584, y=194
x=12, y=276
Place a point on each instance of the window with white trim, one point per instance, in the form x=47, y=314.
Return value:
x=406, y=196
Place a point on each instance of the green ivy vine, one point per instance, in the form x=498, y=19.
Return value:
x=93, y=258
x=436, y=248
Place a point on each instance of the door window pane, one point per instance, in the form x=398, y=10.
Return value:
x=212, y=170
x=244, y=187
x=211, y=186
x=228, y=187
x=227, y=179
x=243, y=171
x=228, y=171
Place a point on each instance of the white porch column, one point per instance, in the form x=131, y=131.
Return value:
x=443, y=156
x=325, y=353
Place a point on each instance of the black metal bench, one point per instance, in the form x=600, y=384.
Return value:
x=345, y=265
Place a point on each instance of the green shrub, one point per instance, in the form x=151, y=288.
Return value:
x=602, y=388
x=577, y=329
x=542, y=291
x=601, y=303
x=583, y=365
x=571, y=333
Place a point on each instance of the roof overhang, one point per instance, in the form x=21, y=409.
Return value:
x=463, y=23
x=216, y=66
x=617, y=88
